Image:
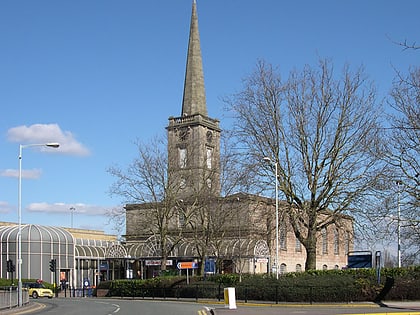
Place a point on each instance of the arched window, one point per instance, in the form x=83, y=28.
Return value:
x=324, y=267
x=336, y=242
x=298, y=268
x=324, y=241
x=209, y=158
x=298, y=246
x=182, y=157
x=283, y=235
x=283, y=268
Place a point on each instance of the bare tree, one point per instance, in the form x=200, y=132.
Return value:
x=159, y=208
x=144, y=185
x=322, y=132
x=403, y=155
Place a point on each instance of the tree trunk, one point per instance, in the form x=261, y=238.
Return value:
x=310, y=247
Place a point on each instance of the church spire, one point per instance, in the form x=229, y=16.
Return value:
x=194, y=99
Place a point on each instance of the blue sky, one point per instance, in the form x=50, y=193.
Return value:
x=97, y=75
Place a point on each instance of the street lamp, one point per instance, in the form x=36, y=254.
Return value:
x=72, y=209
x=19, y=262
x=399, y=222
x=267, y=159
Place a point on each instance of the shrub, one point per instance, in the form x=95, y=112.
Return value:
x=312, y=286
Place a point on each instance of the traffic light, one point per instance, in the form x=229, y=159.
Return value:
x=52, y=265
x=9, y=265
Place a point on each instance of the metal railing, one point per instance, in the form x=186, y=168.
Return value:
x=9, y=297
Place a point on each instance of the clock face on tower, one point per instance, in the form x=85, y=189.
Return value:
x=183, y=134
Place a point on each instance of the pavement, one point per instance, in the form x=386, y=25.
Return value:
x=410, y=307
x=24, y=309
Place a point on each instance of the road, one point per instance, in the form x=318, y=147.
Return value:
x=94, y=306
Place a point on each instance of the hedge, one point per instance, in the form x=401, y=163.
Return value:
x=312, y=286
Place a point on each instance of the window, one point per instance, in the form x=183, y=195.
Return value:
x=298, y=268
x=283, y=235
x=324, y=267
x=283, y=268
x=324, y=241
x=182, y=157
x=336, y=242
x=209, y=157
x=298, y=245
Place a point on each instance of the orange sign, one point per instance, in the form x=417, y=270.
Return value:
x=187, y=265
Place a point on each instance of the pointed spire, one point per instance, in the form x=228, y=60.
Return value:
x=194, y=99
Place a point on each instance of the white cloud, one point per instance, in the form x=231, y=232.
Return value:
x=29, y=174
x=5, y=207
x=60, y=208
x=47, y=133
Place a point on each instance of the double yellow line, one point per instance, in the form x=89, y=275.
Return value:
x=386, y=313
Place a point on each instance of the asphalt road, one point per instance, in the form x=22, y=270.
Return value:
x=95, y=306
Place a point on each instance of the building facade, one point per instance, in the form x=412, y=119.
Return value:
x=80, y=255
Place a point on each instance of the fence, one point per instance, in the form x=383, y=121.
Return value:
x=9, y=297
x=245, y=293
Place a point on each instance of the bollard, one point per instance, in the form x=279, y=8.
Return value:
x=230, y=298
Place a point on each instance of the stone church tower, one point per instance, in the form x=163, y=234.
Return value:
x=193, y=137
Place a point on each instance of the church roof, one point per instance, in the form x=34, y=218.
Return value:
x=194, y=99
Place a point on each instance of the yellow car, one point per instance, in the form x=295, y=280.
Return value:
x=37, y=290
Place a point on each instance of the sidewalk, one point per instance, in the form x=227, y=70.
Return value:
x=267, y=308
x=25, y=309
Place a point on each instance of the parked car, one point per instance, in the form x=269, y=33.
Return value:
x=38, y=289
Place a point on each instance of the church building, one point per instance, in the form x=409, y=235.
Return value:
x=214, y=233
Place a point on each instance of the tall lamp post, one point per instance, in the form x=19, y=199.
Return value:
x=72, y=209
x=267, y=159
x=399, y=222
x=19, y=262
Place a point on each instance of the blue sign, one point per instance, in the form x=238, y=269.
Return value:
x=210, y=266
x=360, y=261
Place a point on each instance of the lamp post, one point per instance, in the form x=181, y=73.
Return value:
x=19, y=262
x=72, y=209
x=267, y=159
x=399, y=222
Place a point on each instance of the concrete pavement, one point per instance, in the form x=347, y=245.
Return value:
x=386, y=307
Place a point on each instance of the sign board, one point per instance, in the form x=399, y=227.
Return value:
x=359, y=260
x=187, y=265
x=262, y=260
x=103, y=266
x=157, y=262
x=209, y=266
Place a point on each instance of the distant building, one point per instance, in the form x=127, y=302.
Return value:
x=80, y=254
x=244, y=239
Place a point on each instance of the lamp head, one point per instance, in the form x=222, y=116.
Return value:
x=52, y=145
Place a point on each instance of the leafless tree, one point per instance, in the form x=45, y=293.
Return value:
x=403, y=155
x=322, y=131
x=161, y=213
x=406, y=45
x=145, y=183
